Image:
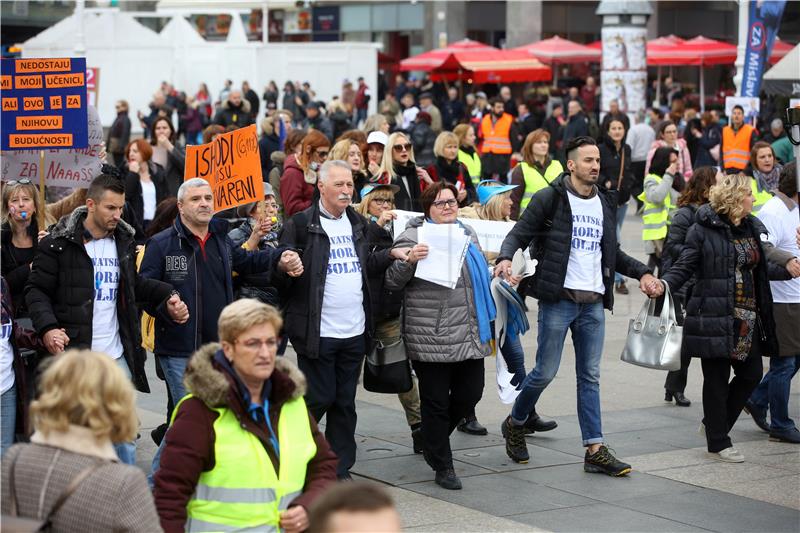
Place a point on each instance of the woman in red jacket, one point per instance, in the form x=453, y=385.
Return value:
x=299, y=179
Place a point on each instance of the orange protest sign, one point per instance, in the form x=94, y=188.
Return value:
x=28, y=82
x=40, y=122
x=232, y=166
x=74, y=79
x=39, y=140
x=44, y=65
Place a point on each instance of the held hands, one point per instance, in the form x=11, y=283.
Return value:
x=56, y=340
x=418, y=251
x=294, y=519
x=177, y=309
x=651, y=286
x=291, y=264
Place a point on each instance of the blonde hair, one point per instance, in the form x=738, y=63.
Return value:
x=9, y=190
x=493, y=210
x=87, y=389
x=387, y=162
x=341, y=151
x=726, y=196
x=461, y=132
x=363, y=207
x=442, y=140
x=241, y=315
x=374, y=123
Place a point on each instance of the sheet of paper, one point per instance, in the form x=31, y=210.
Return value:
x=447, y=246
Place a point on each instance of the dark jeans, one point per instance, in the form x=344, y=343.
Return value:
x=676, y=379
x=447, y=392
x=332, y=378
x=723, y=401
x=773, y=391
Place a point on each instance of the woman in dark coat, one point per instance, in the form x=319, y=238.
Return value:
x=729, y=322
x=167, y=153
x=448, y=168
x=145, y=181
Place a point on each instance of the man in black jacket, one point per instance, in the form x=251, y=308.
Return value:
x=83, y=287
x=571, y=229
x=328, y=309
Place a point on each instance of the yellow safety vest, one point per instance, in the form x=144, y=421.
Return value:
x=534, y=181
x=473, y=164
x=759, y=197
x=736, y=146
x=655, y=216
x=242, y=492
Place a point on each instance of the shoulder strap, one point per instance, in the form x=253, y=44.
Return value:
x=621, y=168
x=72, y=487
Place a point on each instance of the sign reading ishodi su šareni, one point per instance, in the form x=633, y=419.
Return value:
x=43, y=104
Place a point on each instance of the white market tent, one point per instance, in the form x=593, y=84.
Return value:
x=784, y=76
x=133, y=60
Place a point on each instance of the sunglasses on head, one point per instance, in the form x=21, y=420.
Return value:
x=23, y=181
x=402, y=147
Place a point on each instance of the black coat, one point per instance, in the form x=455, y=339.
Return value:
x=610, y=160
x=133, y=189
x=546, y=226
x=303, y=295
x=60, y=290
x=14, y=270
x=423, y=138
x=385, y=304
x=709, y=255
x=679, y=226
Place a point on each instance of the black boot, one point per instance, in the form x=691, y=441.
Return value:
x=416, y=438
x=537, y=423
x=471, y=425
x=680, y=399
x=447, y=479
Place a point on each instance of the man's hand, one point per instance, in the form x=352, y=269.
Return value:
x=400, y=254
x=793, y=266
x=418, y=252
x=503, y=269
x=651, y=286
x=177, y=309
x=56, y=340
x=291, y=263
x=294, y=519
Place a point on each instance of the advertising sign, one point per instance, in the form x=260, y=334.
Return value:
x=764, y=20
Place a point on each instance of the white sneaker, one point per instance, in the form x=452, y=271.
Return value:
x=702, y=429
x=729, y=455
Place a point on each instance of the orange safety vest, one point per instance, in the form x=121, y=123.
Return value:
x=736, y=146
x=496, y=137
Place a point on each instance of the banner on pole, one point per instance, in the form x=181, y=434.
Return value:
x=74, y=167
x=762, y=28
x=232, y=166
x=44, y=104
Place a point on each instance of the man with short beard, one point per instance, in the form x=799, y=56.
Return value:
x=571, y=230
x=328, y=306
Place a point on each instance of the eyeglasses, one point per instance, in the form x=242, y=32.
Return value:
x=441, y=204
x=322, y=154
x=402, y=147
x=253, y=345
x=23, y=181
x=272, y=205
x=382, y=201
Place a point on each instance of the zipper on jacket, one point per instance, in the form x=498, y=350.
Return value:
x=760, y=327
x=439, y=317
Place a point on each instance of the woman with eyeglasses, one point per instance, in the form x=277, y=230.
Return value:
x=447, y=167
x=299, y=178
x=243, y=451
x=398, y=168
x=447, y=331
x=145, y=181
x=667, y=137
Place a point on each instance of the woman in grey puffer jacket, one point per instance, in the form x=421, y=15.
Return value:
x=446, y=331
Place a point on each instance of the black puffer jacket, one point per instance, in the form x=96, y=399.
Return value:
x=709, y=254
x=546, y=226
x=60, y=290
x=682, y=220
x=386, y=304
x=303, y=295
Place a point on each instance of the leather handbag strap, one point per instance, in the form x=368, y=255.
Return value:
x=621, y=168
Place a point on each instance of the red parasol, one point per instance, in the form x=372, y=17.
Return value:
x=557, y=50
x=492, y=66
x=428, y=61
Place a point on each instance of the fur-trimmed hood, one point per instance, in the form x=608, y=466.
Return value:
x=68, y=225
x=211, y=385
x=245, y=107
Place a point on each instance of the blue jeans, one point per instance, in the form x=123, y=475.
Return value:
x=621, y=211
x=126, y=451
x=174, y=368
x=587, y=323
x=514, y=356
x=8, y=418
x=773, y=391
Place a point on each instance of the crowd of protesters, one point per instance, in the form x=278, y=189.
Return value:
x=140, y=262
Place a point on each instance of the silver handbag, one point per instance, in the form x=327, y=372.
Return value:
x=654, y=341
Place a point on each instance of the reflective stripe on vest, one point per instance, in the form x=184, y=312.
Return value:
x=496, y=136
x=242, y=492
x=655, y=217
x=736, y=147
x=760, y=197
x=473, y=164
x=535, y=182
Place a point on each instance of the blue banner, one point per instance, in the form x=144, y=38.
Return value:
x=44, y=104
x=764, y=21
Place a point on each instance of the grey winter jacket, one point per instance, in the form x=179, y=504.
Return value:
x=439, y=325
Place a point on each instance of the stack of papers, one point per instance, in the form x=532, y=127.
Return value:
x=447, y=247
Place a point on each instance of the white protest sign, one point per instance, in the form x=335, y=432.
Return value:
x=490, y=233
x=63, y=168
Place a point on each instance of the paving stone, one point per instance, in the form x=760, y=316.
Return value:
x=720, y=475
x=665, y=460
x=717, y=511
x=600, y=517
x=407, y=469
x=783, y=491
x=495, y=458
x=371, y=448
x=501, y=495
